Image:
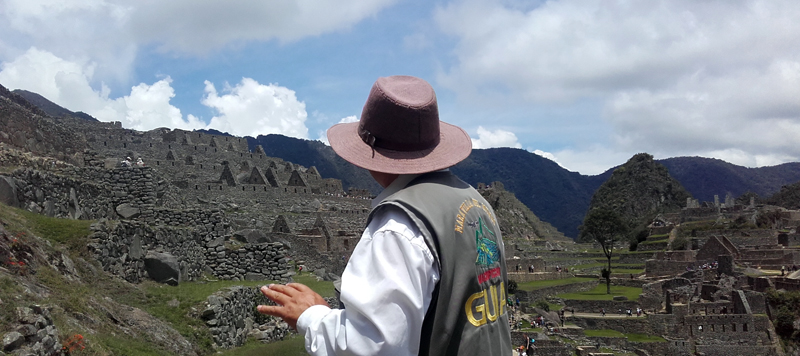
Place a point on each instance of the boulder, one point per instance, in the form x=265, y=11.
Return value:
x=162, y=267
x=320, y=272
x=127, y=211
x=8, y=191
x=12, y=341
x=135, y=251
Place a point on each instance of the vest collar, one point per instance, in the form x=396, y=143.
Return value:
x=399, y=183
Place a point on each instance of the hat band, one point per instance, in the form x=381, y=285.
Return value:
x=373, y=141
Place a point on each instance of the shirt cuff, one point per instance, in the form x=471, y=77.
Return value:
x=310, y=317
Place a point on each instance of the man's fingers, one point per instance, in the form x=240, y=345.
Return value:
x=288, y=289
x=271, y=310
x=275, y=292
x=300, y=287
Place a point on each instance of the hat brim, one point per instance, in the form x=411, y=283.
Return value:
x=454, y=146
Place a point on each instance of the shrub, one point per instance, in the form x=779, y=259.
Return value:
x=543, y=304
x=512, y=287
x=784, y=321
x=680, y=243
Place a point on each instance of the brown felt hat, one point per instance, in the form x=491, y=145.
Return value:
x=400, y=131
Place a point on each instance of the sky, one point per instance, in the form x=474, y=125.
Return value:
x=587, y=84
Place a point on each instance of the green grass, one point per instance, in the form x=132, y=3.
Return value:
x=9, y=294
x=81, y=296
x=324, y=288
x=69, y=232
x=603, y=333
x=626, y=271
x=126, y=346
x=534, y=285
x=604, y=264
x=291, y=346
x=599, y=293
x=653, y=242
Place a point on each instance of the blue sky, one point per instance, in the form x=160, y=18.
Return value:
x=585, y=83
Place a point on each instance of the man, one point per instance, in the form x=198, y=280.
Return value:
x=428, y=276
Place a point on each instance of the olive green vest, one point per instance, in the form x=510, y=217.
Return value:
x=467, y=314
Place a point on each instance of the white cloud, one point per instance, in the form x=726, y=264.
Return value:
x=80, y=31
x=111, y=32
x=67, y=84
x=197, y=27
x=348, y=119
x=250, y=108
x=496, y=138
x=323, y=134
x=547, y=155
x=675, y=77
x=754, y=112
x=591, y=160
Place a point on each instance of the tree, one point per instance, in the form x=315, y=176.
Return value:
x=607, y=228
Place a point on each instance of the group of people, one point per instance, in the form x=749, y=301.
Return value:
x=791, y=269
x=704, y=266
x=531, y=268
x=128, y=163
x=630, y=312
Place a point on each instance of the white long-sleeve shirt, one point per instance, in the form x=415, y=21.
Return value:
x=386, y=288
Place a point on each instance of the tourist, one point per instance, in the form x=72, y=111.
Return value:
x=139, y=162
x=126, y=162
x=430, y=239
x=603, y=311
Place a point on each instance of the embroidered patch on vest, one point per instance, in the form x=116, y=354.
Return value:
x=485, y=240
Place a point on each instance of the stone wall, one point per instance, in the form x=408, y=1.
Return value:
x=543, y=293
x=740, y=238
x=35, y=335
x=88, y=193
x=231, y=316
x=659, y=268
x=595, y=306
x=522, y=277
x=121, y=247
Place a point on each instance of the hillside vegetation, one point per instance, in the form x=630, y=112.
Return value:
x=516, y=220
x=640, y=189
x=44, y=261
x=788, y=197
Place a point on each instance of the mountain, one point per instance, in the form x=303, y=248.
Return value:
x=553, y=193
x=315, y=153
x=788, y=197
x=640, y=189
x=705, y=177
x=516, y=219
x=50, y=107
x=24, y=125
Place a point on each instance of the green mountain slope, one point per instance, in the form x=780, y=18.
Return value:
x=516, y=220
x=705, y=177
x=639, y=189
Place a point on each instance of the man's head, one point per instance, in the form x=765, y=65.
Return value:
x=400, y=131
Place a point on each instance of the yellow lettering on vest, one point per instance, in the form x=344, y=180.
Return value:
x=492, y=304
x=502, y=298
x=480, y=308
